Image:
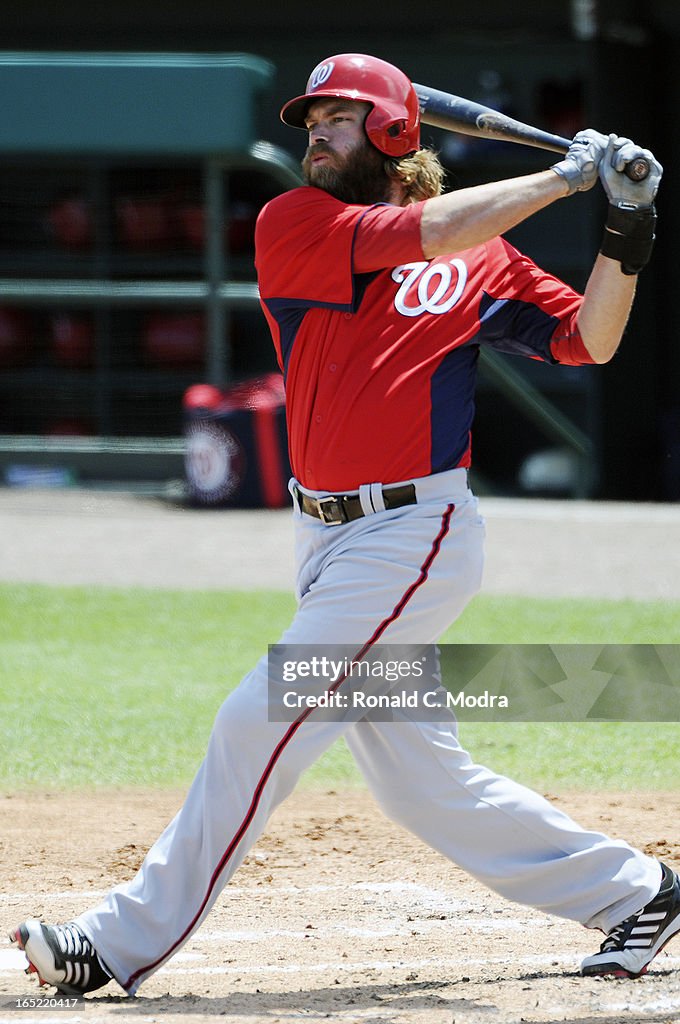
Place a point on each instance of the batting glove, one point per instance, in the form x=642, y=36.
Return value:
x=621, y=191
x=630, y=229
x=581, y=162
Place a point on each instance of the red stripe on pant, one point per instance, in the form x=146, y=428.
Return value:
x=285, y=740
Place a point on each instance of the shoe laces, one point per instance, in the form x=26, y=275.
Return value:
x=74, y=943
x=616, y=939
x=646, y=920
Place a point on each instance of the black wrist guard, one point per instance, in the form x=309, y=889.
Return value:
x=629, y=236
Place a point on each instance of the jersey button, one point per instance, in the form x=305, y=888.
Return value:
x=348, y=316
x=318, y=419
x=333, y=367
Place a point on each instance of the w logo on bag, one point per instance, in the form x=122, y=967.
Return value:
x=320, y=75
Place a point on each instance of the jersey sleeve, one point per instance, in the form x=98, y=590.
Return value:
x=527, y=311
x=309, y=246
x=387, y=236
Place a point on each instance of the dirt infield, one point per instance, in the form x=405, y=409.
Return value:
x=337, y=914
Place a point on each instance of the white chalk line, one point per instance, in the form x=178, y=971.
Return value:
x=416, y=928
x=8, y=898
x=13, y=959
x=411, y=888
x=534, y=960
x=653, y=1006
x=373, y=965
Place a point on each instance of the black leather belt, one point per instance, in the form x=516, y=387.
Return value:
x=345, y=508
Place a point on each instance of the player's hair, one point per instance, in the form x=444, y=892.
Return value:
x=421, y=174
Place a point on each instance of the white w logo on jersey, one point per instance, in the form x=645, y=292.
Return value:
x=417, y=281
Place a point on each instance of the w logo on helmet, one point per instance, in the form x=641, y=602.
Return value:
x=320, y=75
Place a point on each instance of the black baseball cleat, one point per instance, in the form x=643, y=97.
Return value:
x=631, y=946
x=61, y=955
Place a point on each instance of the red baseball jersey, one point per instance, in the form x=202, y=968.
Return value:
x=379, y=345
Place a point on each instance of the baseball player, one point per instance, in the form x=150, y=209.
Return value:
x=379, y=291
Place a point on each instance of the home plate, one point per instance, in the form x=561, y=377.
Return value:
x=12, y=960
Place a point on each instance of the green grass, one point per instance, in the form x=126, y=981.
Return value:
x=119, y=687
x=516, y=620
x=124, y=683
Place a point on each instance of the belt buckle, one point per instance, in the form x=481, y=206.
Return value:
x=331, y=511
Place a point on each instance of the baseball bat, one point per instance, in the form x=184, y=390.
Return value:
x=456, y=114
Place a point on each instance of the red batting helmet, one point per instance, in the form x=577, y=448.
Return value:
x=393, y=125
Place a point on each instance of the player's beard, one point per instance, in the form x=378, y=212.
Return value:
x=359, y=177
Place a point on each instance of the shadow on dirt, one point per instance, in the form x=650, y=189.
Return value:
x=384, y=1004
